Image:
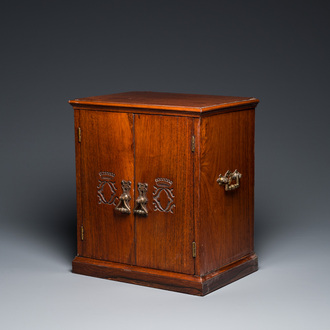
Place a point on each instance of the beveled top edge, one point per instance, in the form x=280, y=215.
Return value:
x=193, y=103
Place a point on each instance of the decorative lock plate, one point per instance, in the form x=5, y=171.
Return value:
x=142, y=200
x=227, y=179
x=124, y=198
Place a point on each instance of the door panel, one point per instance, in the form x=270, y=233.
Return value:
x=107, y=158
x=163, y=160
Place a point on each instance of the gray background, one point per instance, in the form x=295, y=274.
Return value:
x=277, y=51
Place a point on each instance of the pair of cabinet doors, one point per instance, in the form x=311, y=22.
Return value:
x=139, y=148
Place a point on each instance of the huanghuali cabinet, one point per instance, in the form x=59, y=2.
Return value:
x=165, y=189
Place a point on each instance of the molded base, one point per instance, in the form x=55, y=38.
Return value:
x=196, y=285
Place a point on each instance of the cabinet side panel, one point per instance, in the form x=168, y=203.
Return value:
x=107, y=158
x=227, y=217
x=164, y=160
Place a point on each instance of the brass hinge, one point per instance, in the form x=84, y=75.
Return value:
x=79, y=134
x=82, y=232
x=194, y=249
x=193, y=143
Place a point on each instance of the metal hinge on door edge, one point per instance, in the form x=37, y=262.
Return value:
x=82, y=232
x=193, y=143
x=79, y=134
x=194, y=249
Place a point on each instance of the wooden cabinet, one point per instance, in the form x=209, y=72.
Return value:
x=165, y=189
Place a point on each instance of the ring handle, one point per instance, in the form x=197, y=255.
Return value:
x=226, y=180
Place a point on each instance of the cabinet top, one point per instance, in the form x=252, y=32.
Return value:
x=189, y=103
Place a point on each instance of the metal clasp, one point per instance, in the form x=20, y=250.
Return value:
x=142, y=200
x=124, y=199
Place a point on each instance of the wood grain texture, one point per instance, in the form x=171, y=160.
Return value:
x=195, y=285
x=227, y=217
x=106, y=146
x=193, y=103
x=163, y=150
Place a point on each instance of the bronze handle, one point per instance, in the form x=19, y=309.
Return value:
x=124, y=199
x=226, y=180
x=142, y=200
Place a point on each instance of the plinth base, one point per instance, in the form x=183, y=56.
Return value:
x=191, y=284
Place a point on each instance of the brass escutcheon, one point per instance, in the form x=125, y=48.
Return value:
x=226, y=180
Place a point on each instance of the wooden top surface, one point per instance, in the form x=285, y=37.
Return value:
x=167, y=101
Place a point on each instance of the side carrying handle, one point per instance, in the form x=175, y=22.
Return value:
x=124, y=199
x=142, y=200
x=226, y=180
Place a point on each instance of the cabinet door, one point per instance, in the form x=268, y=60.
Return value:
x=106, y=158
x=163, y=160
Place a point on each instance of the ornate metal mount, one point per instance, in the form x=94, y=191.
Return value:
x=163, y=187
x=124, y=199
x=227, y=179
x=106, y=180
x=142, y=200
